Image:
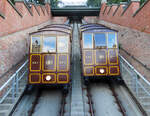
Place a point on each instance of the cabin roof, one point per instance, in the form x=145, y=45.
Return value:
x=96, y=30
x=48, y=30
x=94, y=27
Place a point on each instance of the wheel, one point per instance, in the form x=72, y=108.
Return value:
x=65, y=89
x=29, y=89
x=120, y=80
x=86, y=80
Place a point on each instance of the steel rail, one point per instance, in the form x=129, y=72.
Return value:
x=35, y=102
x=62, y=111
x=117, y=100
x=90, y=102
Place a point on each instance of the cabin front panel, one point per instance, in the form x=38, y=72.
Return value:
x=35, y=62
x=63, y=62
x=49, y=63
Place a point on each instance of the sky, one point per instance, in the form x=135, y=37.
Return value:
x=74, y=2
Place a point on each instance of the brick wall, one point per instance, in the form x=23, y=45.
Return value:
x=135, y=45
x=133, y=16
x=17, y=23
x=133, y=23
x=90, y=19
x=59, y=20
x=20, y=17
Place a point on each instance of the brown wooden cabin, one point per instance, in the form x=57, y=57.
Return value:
x=49, y=56
x=99, y=48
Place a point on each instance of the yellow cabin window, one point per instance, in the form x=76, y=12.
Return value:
x=49, y=44
x=112, y=40
x=36, y=44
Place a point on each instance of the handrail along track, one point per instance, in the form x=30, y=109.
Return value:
x=12, y=84
x=136, y=82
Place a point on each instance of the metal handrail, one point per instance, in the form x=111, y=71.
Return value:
x=140, y=75
x=15, y=82
x=135, y=81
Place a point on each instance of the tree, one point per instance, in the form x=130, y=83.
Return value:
x=116, y=1
x=142, y=1
x=93, y=3
x=55, y=3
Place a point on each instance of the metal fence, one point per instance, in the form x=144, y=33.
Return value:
x=12, y=85
x=138, y=85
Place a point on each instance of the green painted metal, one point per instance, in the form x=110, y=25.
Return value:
x=76, y=11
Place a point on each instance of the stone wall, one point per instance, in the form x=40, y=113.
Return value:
x=130, y=15
x=135, y=47
x=134, y=44
x=16, y=22
x=19, y=16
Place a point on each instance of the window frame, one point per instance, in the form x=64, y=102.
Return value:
x=116, y=42
x=106, y=37
x=65, y=37
x=43, y=42
x=84, y=39
x=40, y=37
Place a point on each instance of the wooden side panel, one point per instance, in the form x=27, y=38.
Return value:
x=63, y=63
x=62, y=78
x=101, y=57
x=49, y=62
x=88, y=58
x=35, y=62
x=34, y=78
x=114, y=70
x=89, y=71
x=113, y=56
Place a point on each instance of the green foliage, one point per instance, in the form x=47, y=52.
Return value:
x=55, y=3
x=13, y=1
x=116, y=1
x=41, y=2
x=142, y=1
x=93, y=3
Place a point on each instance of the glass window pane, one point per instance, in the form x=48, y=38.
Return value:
x=62, y=44
x=112, y=40
x=100, y=40
x=49, y=44
x=36, y=44
x=87, y=41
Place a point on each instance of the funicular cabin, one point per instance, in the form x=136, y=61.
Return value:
x=99, y=48
x=49, y=56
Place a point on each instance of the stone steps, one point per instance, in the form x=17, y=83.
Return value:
x=4, y=106
x=3, y=112
x=143, y=97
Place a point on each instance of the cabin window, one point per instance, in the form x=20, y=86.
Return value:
x=62, y=44
x=49, y=44
x=112, y=40
x=87, y=40
x=36, y=44
x=100, y=40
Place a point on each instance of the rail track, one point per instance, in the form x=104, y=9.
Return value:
x=106, y=101
x=45, y=101
x=96, y=99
